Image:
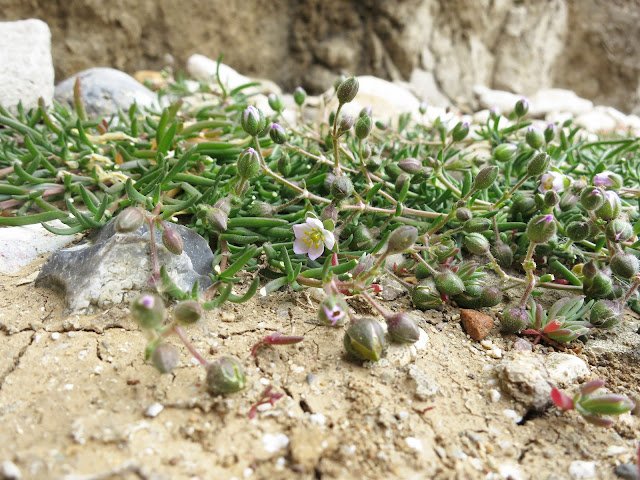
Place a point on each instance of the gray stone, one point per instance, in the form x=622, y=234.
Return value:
x=627, y=471
x=27, y=68
x=105, y=90
x=425, y=387
x=565, y=369
x=391, y=289
x=523, y=375
x=423, y=84
x=108, y=267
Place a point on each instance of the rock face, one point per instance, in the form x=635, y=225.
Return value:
x=514, y=45
x=27, y=68
x=107, y=267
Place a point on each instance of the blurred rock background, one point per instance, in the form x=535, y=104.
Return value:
x=444, y=47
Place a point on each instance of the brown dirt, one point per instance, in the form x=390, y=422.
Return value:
x=73, y=392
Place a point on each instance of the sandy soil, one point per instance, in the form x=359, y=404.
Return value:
x=74, y=392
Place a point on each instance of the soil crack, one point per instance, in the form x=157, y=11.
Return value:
x=16, y=360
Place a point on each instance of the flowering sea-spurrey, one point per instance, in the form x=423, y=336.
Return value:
x=311, y=238
x=552, y=181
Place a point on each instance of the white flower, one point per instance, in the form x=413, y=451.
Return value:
x=311, y=237
x=552, y=181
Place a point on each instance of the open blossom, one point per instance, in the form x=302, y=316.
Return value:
x=311, y=237
x=552, y=181
x=607, y=179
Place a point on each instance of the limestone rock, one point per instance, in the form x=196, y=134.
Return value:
x=425, y=387
x=27, y=67
x=204, y=69
x=523, y=375
x=565, y=369
x=105, y=90
x=423, y=84
x=109, y=267
x=489, y=98
x=558, y=100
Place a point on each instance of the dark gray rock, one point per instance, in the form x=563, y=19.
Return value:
x=627, y=471
x=104, y=90
x=109, y=268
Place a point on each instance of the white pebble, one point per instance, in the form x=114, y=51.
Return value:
x=512, y=414
x=579, y=470
x=318, y=419
x=153, y=410
x=55, y=336
x=68, y=386
x=495, y=353
x=494, y=395
x=10, y=471
x=272, y=443
x=414, y=443
x=510, y=472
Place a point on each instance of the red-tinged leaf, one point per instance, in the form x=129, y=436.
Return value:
x=276, y=339
x=375, y=288
x=267, y=396
x=591, y=386
x=599, y=421
x=561, y=400
x=552, y=326
x=334, y=259
x=561, y=281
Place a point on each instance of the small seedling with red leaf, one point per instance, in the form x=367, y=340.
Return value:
x=267, y=396
x=275, y=339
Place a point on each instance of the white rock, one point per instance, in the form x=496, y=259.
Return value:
x=10, y=471
x=19, y=246
x=558, y=100
x=494, y=395
x=204, y=69
x=596, y=121
x=423, y=85
x=425, y=387
x=489, y=98
x=523, y=375
x=414, y=443
x=512, y=414
x=153, y=410
x=510, y=472
x=422, y=342
x=579, y=470
x=565, y=369
x=27, y=67
x=272, y=443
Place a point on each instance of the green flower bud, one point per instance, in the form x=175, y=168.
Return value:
x=401, y=181
x=187, y=312
x=330, y=212
x=225, y=375
x=478, y=296
x=422, y=108
x=541, y=228
x=568, y=201
x=624, y=265
x=347, y=90
x=460, y=131
x=172, y=240
x=611, y=207
x=299, y=96
x=592, y=198
x=365, y=151
x=523, y=205
x=346, y=122
x=486, y=177
x=341, y=188
x=217, y=219
x=277, y=134
x=505, y=152
x=449, y=283
x=538, y=164
x=374, y=163
x=600, y=286
x=165, y=357
x=551, y=198
x=332, y=118
x=364, y=339
x=410, y=165
x=339, y=79
x=275, y=102
x=521, y=108
x=478, y=224
x=364, y=127
x=619, y=230
x=476, y=243
x=402, y=239
x=534, y=138
x=333, y=311
x=503, y=254
x=253, y=121
x=604, y=314
x=589, y=269
x=514, y=320
x=260, y=209
x=426, y=296
x=248, y=164
x=402, y=328
x=463, y=214
x=549, y=132
x=578, y=230
x=148, y=310
x=444, y=249
x=129, y=220
x=366, y=111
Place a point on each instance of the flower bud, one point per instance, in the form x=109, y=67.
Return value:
x=253, y=121
x=444, y=249
x=129, y=220
x=463, y=214
x=619, y=230
x=165, y=357
x=410, y=165
x=347, y=90
x=589, y=269
x=592, y=198
x=551, y=198
x=476, y=243
x=365, y=151
x=341, y=188
x=275, y=102
x=333, y=311
x=225, y=375
x=172, y=240
x=568, y=201
x=148, y=310
x=503, y=254
x=549, y=132
x=366, y=111
x=339, y=79
x=402, y=328
x=608, y=179
x=505, y=152
x=521, y=108
x=277, y=134
x=538, y=164
x=600, y=286
x=401, y=181
x=460, y=131
x=346, y=122
x=523, y=205
x=604, y=314
x=541, y=228
x=422, y=108
x=449, y=283
x=611, y=207
x=248, y=164
x=187, y=312
x=514, y=320
x=426, y=296
x=330, y=212
x=485, y=177
x=624, y=265
x=364, y=339
x=364, y=127
x=299, y=96
x=260, y=209
x=578, y=230
x=217, y=219
x=534, y=138
x=402, y=239
x=478, y=224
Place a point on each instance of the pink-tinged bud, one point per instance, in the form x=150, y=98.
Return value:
x=410, y=165
x=275, y=102
x=591, y=386
x=619, y=230
x=561, y=400
x=172, y=240
x=550, y=132
x=521, y=108
x=165, y=357
x=608, y=179
x=248, y=164
x=402, y=328
x=299, y=96
x=333, y=311
x=148, y=311
x=422, y=108
x=277, y=134
x=592, y=198
x=364, y=127
x=253, y=121
x=505, y=152
x=129, y=220
x=514, y=320
x=611, y=207
x=460, y=131
x=534, y=138
x=364, y=339
x=541, y=228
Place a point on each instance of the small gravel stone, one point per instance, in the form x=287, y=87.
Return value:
x=272, y=443
x=566, y=369
x=10, y=471
x=627, y=471
x=522, y=345
x=579, y=470
x=494, y=395
x=153, y=410
x=425, y=387
x=525, y=378
x=476, y=324
x=414, y=443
